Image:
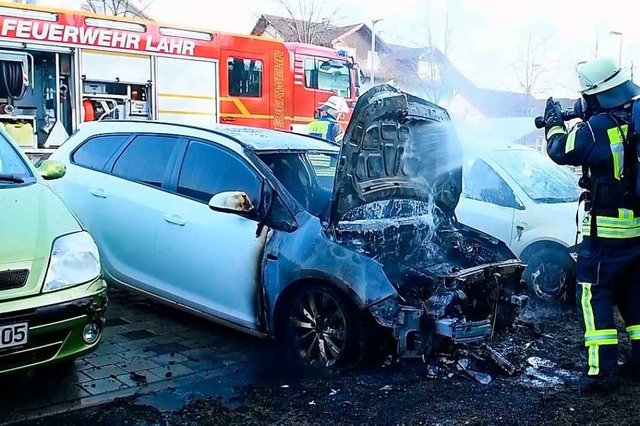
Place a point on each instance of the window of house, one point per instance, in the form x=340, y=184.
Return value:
x=245, y=77
x=207, y=170
x=146, y=159
x=96, y=152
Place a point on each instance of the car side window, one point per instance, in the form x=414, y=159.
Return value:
x=96, y=152
x=146, y=159
x=207, y=170
x=482, y=183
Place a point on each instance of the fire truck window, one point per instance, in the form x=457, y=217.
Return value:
x=310, y=74
x=95, y=152
x=146, y=159
x=208, y=170
x=245, y=77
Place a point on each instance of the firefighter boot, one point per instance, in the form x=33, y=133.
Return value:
x=599, y=383
x=631, y=369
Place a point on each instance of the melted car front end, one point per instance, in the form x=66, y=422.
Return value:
x=398, y=182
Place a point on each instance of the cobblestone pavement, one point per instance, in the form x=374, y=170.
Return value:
x=146, y=347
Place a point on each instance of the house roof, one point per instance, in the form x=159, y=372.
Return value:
x=490, y=102
x=322, y=33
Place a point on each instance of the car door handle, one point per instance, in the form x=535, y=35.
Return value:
x=175, y=219
x=98, y=192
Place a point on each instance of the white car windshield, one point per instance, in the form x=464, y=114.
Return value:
x=543, y=180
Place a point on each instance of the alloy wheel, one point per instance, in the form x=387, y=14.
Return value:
x=318, y=327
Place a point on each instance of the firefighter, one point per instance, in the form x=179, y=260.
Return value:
x=608, y=268
x=327, y=125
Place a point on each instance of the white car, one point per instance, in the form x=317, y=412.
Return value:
x=523, y=198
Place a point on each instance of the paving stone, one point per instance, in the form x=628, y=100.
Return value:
x=101, y=361
x=169, y=359
x=137, y=365
x=167, y=348
x=113, y=322
x=201, y=355
x=96, y=387
x=171, y=338
x=136, y=344
x=195, y=343
x=140, y=325
x=109, y=348
x=172, y=371
x=135, y=354
x=103, y=372
x=139, y=335
x=139, y=378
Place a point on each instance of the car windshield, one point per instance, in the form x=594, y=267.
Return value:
x=334, y=76
x=543, y=180
x=13, y=169
x=308, y=176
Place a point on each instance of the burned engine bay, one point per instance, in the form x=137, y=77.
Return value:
x=452, y=281
x=398, y=182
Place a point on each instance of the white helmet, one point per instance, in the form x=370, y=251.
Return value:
x=335, y=105
x=608, y=82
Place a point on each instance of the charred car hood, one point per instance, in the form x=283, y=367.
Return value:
x=397, y=146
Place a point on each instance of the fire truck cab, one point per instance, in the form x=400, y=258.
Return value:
x=318, y=73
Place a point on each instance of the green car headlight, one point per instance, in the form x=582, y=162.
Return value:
x=74, y=260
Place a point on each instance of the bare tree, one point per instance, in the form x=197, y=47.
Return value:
x=528, y=68
x=433, y=66
x=127, y=8
x=307, y=20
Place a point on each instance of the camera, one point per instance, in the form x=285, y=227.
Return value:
x=568, y=114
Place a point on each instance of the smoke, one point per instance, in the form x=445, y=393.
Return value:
x=433, y=158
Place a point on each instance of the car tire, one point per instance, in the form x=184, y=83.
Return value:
x=321, y=327
x=550, y=275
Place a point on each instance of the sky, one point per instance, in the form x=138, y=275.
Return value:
x=487, y=36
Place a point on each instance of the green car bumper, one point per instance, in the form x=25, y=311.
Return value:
x=62, y=326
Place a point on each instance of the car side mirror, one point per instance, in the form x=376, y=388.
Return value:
x=232, y=202
x=51, y=169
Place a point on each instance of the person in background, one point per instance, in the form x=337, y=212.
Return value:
x=327, y=125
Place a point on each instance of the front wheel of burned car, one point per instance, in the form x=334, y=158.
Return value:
x=322, y=327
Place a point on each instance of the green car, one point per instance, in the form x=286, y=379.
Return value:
x=52, y=295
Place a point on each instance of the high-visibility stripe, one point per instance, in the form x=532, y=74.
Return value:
x=634, y=332
x=601, y=337
x=319, y=128
x=593, y=360
x=616, y=138
x=556, y=130
x=571, y=141
x=621, y=227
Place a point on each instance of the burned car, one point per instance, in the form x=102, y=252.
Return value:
x=332, y=249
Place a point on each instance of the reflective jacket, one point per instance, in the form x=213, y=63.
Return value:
x=326, y=128
x=598, y=144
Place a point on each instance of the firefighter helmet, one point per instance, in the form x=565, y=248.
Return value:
x=607, y=81
x=335, y=105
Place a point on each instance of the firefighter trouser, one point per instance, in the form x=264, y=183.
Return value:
x=608, y=273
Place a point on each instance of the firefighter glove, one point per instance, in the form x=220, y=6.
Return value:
x=553, y=115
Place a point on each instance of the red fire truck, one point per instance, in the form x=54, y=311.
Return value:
x=59, y=68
